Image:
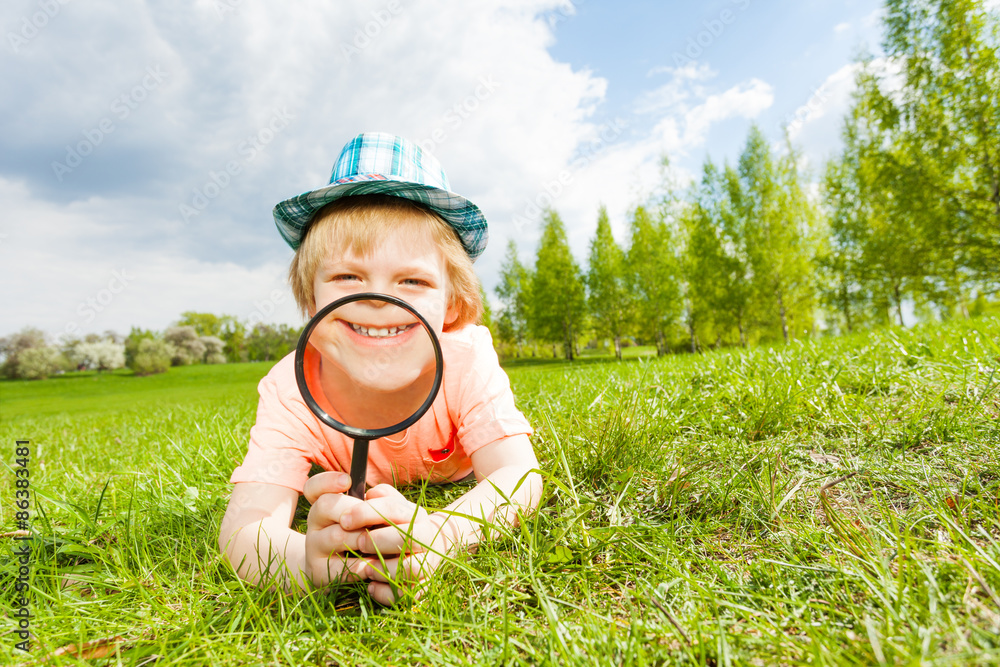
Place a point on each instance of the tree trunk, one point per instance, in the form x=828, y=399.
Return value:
x=784, y=317
x=618, y=347
x=846, y=300
x=899, y=304
x=568, y=342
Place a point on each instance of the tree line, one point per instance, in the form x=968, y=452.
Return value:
x=908, y=212
x=196, y=338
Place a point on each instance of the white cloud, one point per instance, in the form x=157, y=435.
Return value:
x=489, y=100
x=688, y=110
x=841, y=28
x=66, y=271
x=816, y=125
x=831, y=99
x=873, y=18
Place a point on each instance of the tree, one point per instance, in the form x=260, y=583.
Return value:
x=11, y=348
x=132, y=341
x=893, y=261
x=846, y=282
x=103, y=355
x=716, y=285
x=929, y=151
x=653, y=277
x=204, y=324
x=152, y=355
x=234, y=335
x=214, y=347
x=188, y=348
x=512, y=291
x=768, y=231
x=608, y=294
x=557, y=304
x=269, y=342
x=37, y=363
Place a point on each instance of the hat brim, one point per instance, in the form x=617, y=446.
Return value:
x=293, y=216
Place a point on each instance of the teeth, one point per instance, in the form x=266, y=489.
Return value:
x=375, y=332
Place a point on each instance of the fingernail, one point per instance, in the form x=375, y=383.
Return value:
x=344, y=480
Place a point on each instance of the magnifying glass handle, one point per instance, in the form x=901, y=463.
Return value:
x=359, y=469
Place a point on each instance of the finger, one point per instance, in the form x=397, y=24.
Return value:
x=389, y=594
x=382, y=593
x=334, y=539
x=404, y=538
x=326, y=482
x=380, y=511
x=337, y=569
x=404, y=570
x=383, y=491
x=329, y=509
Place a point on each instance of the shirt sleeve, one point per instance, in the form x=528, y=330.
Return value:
x=282, y=441
x=485, y=410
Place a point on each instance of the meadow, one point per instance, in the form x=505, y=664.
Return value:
x=831, y=502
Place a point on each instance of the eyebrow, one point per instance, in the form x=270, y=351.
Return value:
x=419, y=268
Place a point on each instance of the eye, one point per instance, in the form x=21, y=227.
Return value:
x=344, y=277
x=416, y=282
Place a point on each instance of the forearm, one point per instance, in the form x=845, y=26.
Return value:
x=267, y=553
x=496, y=500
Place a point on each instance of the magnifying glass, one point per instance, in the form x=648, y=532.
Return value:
x=368, y=365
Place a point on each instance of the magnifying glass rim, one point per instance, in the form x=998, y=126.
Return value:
x=353, y=431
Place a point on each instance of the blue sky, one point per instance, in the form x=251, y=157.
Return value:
x=120, y=116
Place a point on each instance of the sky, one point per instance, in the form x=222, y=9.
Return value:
x=144, y=144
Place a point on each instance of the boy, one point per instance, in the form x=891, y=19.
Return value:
x=387, y=223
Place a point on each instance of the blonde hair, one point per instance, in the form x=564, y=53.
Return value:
x=357, y=224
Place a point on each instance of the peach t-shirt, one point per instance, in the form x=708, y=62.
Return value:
x=475, y=407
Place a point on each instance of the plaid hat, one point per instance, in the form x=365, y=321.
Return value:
x=379, y=163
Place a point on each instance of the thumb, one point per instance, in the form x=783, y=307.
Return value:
x=326, y=482
x=383, y=491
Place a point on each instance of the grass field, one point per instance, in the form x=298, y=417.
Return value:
x=827, y=503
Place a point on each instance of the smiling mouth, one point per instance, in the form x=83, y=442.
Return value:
x=381, y=332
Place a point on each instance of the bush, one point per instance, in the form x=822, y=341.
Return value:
x=13, y=346
x=102, y=356
x=214, y=350
x=135, y=337
x=153, y=356
x=188, y=347
x=37, y=363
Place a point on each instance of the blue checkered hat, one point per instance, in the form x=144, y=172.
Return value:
x=378, y=163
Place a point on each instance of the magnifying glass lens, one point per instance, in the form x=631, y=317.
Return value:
x=370, y=364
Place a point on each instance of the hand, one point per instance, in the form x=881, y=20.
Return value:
x=327, y=539
x=415, y=538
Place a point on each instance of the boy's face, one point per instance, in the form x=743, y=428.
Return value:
x=373, y=345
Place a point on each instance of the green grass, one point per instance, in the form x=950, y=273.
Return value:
x=91, y=391
x=685, y=518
